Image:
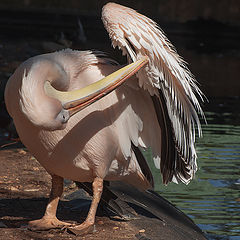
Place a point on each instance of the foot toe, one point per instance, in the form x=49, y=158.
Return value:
x=82, y=229
x=46, y=224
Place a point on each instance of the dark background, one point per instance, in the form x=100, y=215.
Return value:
x=205, y=32
x=224, y=11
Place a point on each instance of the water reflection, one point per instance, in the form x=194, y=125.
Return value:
x=212, y=199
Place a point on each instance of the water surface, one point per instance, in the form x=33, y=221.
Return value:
x=212, y=199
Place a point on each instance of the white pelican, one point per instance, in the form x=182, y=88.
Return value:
x=72, y=139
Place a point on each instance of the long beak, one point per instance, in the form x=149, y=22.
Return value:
x=76, y=100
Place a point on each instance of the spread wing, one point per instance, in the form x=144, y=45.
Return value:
x=169, y=82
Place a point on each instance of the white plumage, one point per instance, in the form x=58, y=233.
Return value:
x=166, y=74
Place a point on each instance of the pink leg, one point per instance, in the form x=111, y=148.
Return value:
x=49, y=220
x=90, y=220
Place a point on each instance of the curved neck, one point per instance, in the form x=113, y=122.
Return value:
x=34, y=103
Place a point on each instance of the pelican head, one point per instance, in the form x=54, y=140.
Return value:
x=44, y=96
x=41, y=109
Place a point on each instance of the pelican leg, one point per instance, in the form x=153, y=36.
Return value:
x=49, y=220
x=86, y=226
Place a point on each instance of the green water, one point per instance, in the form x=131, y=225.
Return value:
x=212, y=199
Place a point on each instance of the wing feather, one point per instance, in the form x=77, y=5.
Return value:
x=168, y=79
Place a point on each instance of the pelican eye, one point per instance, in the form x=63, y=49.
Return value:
x=63, y=116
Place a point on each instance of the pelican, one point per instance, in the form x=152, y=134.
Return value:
x=75, y=115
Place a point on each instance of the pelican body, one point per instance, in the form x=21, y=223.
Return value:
x=94, y=137
x=90, y=143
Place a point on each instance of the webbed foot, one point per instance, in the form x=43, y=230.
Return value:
x=47, y=223
x=82, y=229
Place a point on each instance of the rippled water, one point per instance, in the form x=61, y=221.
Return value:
x=212, y=199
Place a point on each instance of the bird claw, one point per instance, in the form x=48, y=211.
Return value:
x=82, y=229
x=46, y=223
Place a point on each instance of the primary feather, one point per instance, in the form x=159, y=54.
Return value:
x=167, y=77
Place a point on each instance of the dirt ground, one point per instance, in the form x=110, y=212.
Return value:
x=24, y=189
